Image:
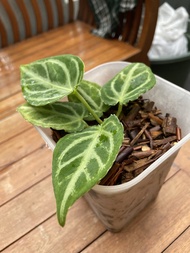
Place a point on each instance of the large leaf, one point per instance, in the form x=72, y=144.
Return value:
x=128, y=85
x=91, y=93
x=48, y=80
x=81, y=159
x=66, y=116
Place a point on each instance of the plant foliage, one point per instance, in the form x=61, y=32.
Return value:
x=86, y=153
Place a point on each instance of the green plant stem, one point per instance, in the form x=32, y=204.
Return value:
x=83, y=101
x=120, y=107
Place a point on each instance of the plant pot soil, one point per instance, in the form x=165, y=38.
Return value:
x=148, y=135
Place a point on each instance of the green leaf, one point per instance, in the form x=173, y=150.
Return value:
x=81, y=159
x=91, y=93
x=66, y=116
x=128, y=85
x=50, y=79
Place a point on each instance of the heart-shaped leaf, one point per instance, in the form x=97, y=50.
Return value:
x=128, y=85
x=50, y=79
x=66, y=116
x=81, y=159
x=91, y=93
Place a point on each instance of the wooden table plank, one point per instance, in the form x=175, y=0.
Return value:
x=181, y=244
x=174, y=169
x=12, y=126
x=19, y=146
x=81, y=229
x=49, y=228
x=26, y=211
x=183, y=159
x=157, y=226
x=23, y=174
x=34, y=211
x=8, y=106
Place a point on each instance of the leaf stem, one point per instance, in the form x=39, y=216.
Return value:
x=83, y=101
x=120, y=107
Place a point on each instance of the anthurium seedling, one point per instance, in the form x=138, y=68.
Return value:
x=86, y=153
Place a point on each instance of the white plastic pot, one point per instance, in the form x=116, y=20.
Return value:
x=116, y=205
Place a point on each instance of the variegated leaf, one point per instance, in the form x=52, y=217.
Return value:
x=128, y=84
x=50, y=79
x=91, y=93
x=66, y=116
x=81, y=159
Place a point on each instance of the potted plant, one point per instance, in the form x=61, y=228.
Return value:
x=92, y=132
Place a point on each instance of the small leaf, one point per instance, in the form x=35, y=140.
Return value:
x=128, y=85
x=50, y=79
x=81, y=159
x=91, y=93
x=66, y=116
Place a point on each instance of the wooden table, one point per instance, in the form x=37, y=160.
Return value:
x=28, y=220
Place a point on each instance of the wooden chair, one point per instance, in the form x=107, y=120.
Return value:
x=22, y=19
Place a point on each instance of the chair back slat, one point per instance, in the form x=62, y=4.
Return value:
x=4, y=40
x=85, y=13
x=137, y=17
x=26, y=18
x=49, y=14
x=60, y=12
x=126, y=22
x=38, y=18
x=149, y=24
x=13, y=21
x=71, y=11
x=129, y=24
